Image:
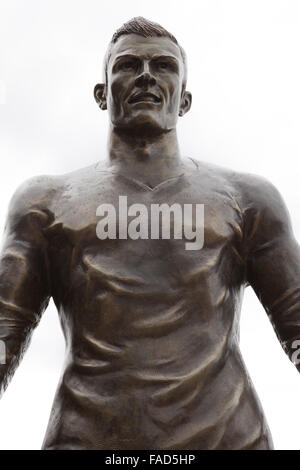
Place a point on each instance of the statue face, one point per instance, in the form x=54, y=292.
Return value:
x=145, y=84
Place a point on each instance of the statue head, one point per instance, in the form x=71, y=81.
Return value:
x=144, y=79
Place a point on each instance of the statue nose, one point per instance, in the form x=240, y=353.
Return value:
x=145, y=79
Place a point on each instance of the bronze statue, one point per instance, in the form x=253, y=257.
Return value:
x=151, y=324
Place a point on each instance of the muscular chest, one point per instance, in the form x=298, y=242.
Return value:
x=161, y=237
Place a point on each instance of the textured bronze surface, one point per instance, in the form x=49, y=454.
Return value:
x=152, y=329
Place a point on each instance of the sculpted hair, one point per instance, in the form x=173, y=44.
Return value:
x=147, y=29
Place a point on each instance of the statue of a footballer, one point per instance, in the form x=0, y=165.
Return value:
x=151, y=322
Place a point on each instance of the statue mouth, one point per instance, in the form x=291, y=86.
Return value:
x=144, y=98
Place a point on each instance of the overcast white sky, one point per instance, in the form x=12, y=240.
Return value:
x=244, y=74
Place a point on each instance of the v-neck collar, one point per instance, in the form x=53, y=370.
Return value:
x=140, y=183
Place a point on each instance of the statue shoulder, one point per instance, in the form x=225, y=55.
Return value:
x=258, y=192
x=34, y=196
x=257, y=196
x=264, y=208
x=43, y=194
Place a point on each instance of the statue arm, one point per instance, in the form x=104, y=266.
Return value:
x=273, y=262
x=24, y=280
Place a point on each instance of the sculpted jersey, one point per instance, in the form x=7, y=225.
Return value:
x=152, y=329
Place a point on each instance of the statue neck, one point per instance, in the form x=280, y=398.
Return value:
x=136, y=155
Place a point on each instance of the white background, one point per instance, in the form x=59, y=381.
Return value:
x=244, y=73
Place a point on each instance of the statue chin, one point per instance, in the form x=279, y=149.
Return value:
x=141, y=125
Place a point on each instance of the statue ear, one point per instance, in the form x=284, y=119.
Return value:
x=100, y=95
x=186, y=103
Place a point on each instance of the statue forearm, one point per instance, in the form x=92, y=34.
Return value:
x=275, y=276
x=284, y=314
x=16, y=327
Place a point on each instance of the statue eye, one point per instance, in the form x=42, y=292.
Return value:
x=163, y=65
x=128, y=65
